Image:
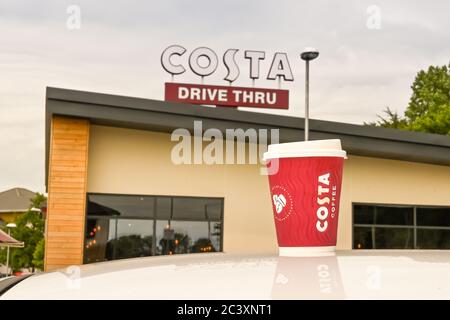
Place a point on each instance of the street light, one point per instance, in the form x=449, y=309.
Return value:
x=9, y=226
x=308, y=54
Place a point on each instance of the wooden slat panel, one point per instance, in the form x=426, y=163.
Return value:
x=62, y=233
x=62, y=262
x=73, y=157
x=63, y=255
x=62, y=147
x=70, y=130
x=61, y=206
x=68, y=195
x=78, y=142
x=74, y=202
x=66, y=250
x=75, y=179
x=79, y=222
x=68, y=187
x=68, y=161
x=59, y=239
x=66, y=134
x=64, y=185
x=64, y=228
x=63, y=150
x=67, y=192
x=67, y=167
x=57, y=266
x=65, y=244
x=67, y=215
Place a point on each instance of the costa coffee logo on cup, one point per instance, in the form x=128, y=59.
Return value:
x=282, y=203
x=326, y=198
x=279, y=202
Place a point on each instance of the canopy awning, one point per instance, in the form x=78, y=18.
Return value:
x=8, y=241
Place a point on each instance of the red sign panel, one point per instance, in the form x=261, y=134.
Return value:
x=227, y=96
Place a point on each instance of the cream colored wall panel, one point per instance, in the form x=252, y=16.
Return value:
x=129, y=161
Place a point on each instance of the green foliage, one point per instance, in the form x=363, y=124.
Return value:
x=390, y=120
x=38, y=200
x=38, y=255
x=429, y=106
x=30, y=230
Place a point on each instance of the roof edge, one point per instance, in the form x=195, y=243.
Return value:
x=326, y=126
x=155, y=115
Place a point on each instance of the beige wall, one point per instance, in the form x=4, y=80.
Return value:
x=138, y=162
x=374, y=180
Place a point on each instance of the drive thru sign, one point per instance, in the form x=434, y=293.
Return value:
x=227, y=96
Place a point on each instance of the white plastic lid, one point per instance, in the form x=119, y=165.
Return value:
x=316, y=148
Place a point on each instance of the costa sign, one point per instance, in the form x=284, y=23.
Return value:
x=279, y=68
x=172, y=61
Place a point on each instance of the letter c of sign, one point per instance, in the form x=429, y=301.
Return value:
x=166, y=62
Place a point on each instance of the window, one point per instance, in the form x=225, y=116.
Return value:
x=400, y=227
x=127, y=226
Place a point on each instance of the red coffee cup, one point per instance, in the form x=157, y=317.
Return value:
x=305, y=186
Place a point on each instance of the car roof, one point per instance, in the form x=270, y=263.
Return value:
x=361, y=274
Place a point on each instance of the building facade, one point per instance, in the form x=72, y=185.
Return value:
x=115, y=191
x=14, y=202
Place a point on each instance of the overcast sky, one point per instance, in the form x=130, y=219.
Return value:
x=365, y=63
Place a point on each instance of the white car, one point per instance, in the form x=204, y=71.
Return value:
x=345, y=275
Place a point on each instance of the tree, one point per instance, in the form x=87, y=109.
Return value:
x=38, y=255
x=390, y=120
x=30, y=230
x=429, y=106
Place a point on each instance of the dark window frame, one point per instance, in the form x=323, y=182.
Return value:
x=413, y=226
x=155, y=216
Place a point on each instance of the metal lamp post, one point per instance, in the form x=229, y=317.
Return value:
x=9, y=226
x=308, y=54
